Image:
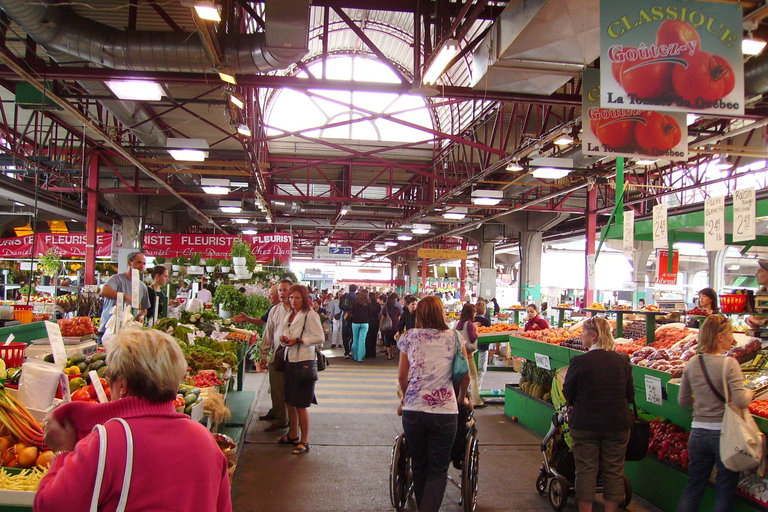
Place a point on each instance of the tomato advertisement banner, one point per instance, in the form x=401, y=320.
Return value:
x=66, y=245
x=265, y=247
x=672, y=55
x=662, y=276
x=636, y=133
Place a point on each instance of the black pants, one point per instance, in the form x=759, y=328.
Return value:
x=346, y=335
x=370, y=339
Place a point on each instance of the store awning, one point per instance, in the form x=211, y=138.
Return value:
x=745, y=282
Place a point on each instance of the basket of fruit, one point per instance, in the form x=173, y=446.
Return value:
x=733, y=303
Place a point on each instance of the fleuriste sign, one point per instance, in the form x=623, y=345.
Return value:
x=265, y=247
x=68, y=245
x=672, y=55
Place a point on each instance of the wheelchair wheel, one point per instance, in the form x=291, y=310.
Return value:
x=627, y=493
x=558, y=493
x=541, y=482
x=469, y=474
x=400, y=474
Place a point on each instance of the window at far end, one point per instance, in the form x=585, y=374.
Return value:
x=372, y=116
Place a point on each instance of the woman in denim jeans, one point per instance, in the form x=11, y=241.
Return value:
x=430, y=406
x=715, y=336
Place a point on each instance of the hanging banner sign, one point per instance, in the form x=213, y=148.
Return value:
x=68, y=245
x=632, y=132
x=714, y=223
x=660, y=236
x=265, y=247
x=672, y=55
x=662, y=274
x=629, y=233
x=744, y=215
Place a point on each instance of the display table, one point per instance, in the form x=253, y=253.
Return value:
x=490, y=339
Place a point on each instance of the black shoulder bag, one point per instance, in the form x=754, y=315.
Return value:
x=639, y=437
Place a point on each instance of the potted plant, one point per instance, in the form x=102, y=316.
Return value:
x=240, y=251
x=195, y=259
x=176, y=263
x=230, y=300
x=160, y=260
x=49, y=263
x=212, y=264
x=226, y=265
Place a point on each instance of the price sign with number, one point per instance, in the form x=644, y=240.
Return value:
x=629, y=233
x=542, y=361
x=744, y=215
x=57, y=343
x=653, y=389
x=660, y=238
x=714, y=223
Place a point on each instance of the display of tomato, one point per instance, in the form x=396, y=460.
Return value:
x=79, y=326
x=707, y=77
x=92, y=390
x=646, y=78
x=81, y=395
x=677, y=32
x=657, y=132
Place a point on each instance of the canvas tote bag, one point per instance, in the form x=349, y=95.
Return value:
x=741, y=442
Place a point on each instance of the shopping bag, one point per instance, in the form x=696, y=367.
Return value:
x=460, y=363
x=639, y=437
x=741, y=442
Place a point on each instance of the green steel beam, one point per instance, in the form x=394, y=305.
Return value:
x=619, y=204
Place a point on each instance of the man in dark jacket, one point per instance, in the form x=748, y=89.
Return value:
x=346, y=303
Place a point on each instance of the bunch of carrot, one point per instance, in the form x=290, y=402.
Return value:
x=20, y=421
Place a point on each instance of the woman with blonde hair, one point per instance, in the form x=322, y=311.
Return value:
x=703, y=379
x=149, y=442
x=599, y=387
x=430, y=399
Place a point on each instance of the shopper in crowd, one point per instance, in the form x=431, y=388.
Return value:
x=425, y=373
x=482, y=350
x=496, y=307
x=122, y=283
x=762, y=279
x=274, y=298
x=145, y=369
x=374, y=315
x=158, y=302
x=715, y=336
x=391, y=309
x=347, y=303
x=204, y=295
x=708, y=300
x=408, y=318
x=302, y=334
x=334, y=311
x=398, y=301
x=641, y=303
x=599, y=388
x=360, y=313
x=468, y=330
x=535, y=321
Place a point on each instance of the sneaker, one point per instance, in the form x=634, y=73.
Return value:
x=333, y=345
x=346, y=356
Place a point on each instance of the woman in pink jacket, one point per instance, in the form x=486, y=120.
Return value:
x=145, y=368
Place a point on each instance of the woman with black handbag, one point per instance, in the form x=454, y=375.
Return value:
x=392, y=312
x=303, y=332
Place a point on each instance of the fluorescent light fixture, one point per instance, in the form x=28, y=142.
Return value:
x=207, y=11
x=250, y=232
x=137, y=90
x=238, y=184
x=230, y=206
x=216, y=191
x=188, y=150
x=214, y=182
x=344, y=210
x=514, y=166
x=390, y=243
x=550, y=173
x=227, y=76
x=380, y=247
x=487, y=197
x=752, y=46
x=243, y=130
x=456, y=213
x=563, y=140
x=447, y=52
x=734, y=267
x=325, y=240
x=421, y=229
x=691, y=118
x=237, y=100
x=18, y=203
x=404, y=237
x=646, y=161
x=240, y=221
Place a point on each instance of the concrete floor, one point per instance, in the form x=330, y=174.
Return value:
x=351, y=435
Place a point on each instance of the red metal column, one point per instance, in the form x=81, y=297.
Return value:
x=463, y=271
x=591, y=217
x=423, y=277
x=90, y=226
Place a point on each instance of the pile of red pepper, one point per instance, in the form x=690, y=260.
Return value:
x=669, y=442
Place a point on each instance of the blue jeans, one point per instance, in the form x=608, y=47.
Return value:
x=703, y=454
x=430, y=438
x=359, y=332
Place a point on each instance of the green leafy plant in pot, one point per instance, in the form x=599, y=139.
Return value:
x=160, y=260
x=212, y=265
x=230, y=300
x=240, y=251
x=226, y=265
x=49, y=263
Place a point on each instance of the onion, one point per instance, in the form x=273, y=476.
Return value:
x=27, y=457
x=44, y=459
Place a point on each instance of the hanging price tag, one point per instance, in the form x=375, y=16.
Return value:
x=744, y=215
x=591, y=271
x=714, y=224
x=135, y=287
x=9, y=340
x=660, y=237
x=66, y=393
x=542, y=361
x=119, y=308
x=57, y=343
x=100, y=393
x=629, y=233
x=653, y=389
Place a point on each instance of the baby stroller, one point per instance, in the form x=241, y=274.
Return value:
x=558, y=472
x=465, y=456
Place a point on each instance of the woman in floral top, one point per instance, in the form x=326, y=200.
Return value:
x=430, y=407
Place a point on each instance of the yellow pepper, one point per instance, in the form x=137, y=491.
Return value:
x=72, y=370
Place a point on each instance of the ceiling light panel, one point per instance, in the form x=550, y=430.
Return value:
x=136, y=90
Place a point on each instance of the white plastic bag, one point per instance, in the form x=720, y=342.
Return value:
x=38, y=384
x=741, y=442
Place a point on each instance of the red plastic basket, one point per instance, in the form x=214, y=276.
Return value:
x=733, y=303
x=13, y=354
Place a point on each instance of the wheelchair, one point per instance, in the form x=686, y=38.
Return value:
x=465, y=456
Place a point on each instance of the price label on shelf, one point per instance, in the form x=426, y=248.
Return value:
x=714, y=224
x=135, y=287
x=660, y=237
x=744, y=215
x=100, y=393
x=653, y=389
x=629, y=233
x=57, y=343
x=542, y=361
